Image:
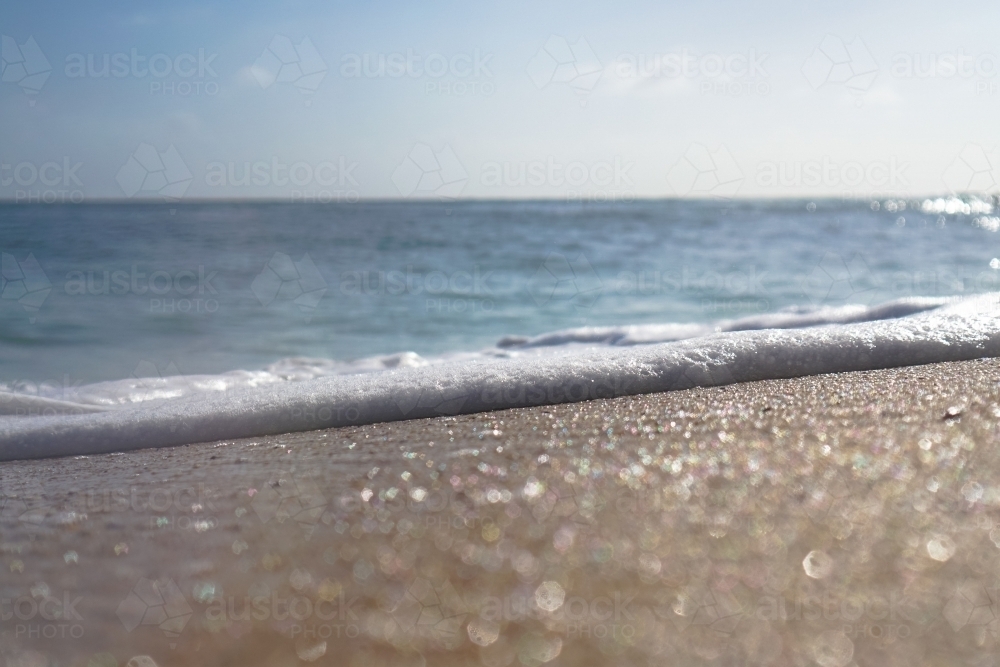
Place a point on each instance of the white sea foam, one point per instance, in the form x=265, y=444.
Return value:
x=578, y=364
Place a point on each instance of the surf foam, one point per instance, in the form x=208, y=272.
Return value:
x=572, y=365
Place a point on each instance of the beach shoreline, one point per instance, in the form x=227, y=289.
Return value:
x=302, y=396
x=832, y=518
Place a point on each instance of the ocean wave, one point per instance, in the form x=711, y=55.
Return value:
x=299, y=394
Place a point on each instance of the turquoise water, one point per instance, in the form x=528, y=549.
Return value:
x=124, y=290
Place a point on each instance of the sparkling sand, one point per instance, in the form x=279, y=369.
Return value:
x=831, y=520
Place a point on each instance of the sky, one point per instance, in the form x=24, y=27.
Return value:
x=336, y=102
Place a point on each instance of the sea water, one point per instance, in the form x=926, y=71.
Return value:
x=245, y=319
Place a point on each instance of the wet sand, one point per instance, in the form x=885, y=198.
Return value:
x=832, y=520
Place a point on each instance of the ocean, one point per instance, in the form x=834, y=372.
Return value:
x=136, y=307
x=133, y=287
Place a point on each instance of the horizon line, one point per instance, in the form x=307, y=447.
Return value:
x=462, y=200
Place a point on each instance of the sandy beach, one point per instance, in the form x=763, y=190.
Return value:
x=832, y=520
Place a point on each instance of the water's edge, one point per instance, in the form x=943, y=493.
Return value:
x=957, y=332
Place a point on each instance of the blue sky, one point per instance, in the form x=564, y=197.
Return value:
x=843, y=98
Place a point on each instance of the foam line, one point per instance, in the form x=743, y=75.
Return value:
x=954, y=331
